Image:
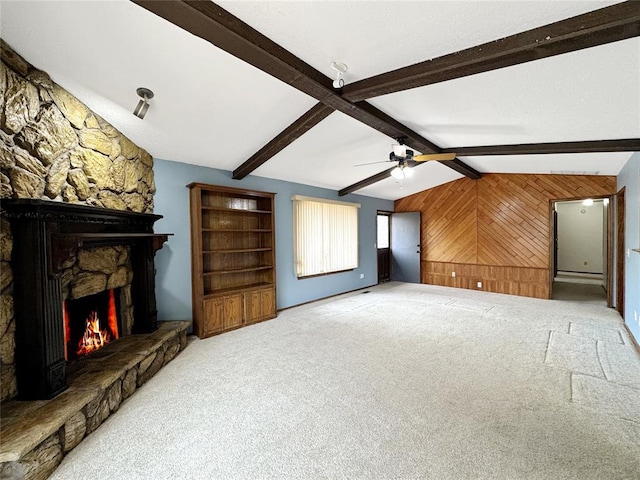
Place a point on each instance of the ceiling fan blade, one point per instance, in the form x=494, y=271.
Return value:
x=434, y=156
x=370, y=163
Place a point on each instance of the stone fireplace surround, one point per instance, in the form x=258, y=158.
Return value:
x=65, y=251
x=52, y=241
x=53, y=148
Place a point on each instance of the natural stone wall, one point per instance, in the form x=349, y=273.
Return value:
x=53, y=147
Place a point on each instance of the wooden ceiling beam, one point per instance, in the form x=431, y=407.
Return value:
x=366, y=182
x=606, y=25
x=590, y=146
x=302, y=125
x=212, y=23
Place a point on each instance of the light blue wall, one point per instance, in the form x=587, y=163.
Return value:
x=173, y=262
x=629, y=178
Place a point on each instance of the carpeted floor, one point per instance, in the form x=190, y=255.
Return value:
x=579, y=292
x=407, y=381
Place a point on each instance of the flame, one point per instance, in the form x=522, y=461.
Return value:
x=112, y=315
x=93, y=338
x=67, y=328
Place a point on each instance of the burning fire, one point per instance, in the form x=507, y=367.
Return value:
x=93, y=338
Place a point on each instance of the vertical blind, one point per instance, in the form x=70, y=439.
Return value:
x=325, y=235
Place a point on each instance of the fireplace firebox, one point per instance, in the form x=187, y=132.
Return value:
x=52, y=329
x=90, y=323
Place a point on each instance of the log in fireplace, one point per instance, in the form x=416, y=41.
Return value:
x=46, y=235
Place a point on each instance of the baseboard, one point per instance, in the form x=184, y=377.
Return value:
x=325, y=298
x=633, y=339
x=589, y=278
x=581, y=274
x=578, y=281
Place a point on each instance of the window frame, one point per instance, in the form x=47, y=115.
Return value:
x=324, y=261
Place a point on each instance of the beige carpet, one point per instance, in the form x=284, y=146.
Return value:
x=407, y=381
x=579, y=292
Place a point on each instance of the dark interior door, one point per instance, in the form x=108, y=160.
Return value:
x=405, y=247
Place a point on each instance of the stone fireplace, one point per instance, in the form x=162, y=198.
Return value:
x=76, y=225
x=65, y=253
x=54, y=148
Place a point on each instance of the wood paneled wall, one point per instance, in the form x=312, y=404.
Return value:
x=495, y=230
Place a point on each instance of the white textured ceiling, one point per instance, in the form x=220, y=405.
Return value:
x=373, y=37
x=212, y=109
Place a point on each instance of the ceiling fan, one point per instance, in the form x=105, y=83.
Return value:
x=405, y=159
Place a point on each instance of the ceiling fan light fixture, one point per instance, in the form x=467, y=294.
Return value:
x=401, y=172
x=399, y=150
x=397, y=173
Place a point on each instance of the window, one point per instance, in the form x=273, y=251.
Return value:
x=383, y=230
x=325, y=236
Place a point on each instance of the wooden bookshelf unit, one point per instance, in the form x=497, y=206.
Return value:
x=232, y=257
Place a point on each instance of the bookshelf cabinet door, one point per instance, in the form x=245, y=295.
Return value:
x=232, y=311
x=259, y=305
x=213, y=311
x=252, y=311
x=268, y=303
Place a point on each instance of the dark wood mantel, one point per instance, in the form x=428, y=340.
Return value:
x=65, y=244
x=45, y=234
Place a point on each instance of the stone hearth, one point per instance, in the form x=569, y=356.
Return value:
x=36, y=435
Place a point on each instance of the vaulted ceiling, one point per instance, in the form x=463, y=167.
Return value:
x=572, y=82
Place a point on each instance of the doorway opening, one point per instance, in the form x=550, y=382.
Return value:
x=398, y=245
x=582, y=251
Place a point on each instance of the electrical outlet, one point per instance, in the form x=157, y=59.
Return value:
x=628, y=252
x=479, y=284
x=453, y=274
x=362, y=275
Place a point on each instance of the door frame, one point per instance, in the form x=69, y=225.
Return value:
x=620, y=250
x=609, y=241
x=387, y=214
